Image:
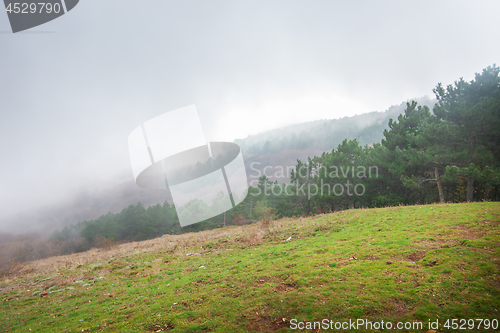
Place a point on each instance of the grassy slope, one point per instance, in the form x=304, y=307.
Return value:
x=400, y=263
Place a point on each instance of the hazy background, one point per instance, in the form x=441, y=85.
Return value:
x=73, y=89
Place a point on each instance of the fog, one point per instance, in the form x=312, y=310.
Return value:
x=73, y=89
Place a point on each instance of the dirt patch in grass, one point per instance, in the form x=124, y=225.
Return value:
x=400, y=308
x=8, y=289
x=265, y=324
x=416, y=256
x=159, y=328
x=263, y=279
x=281, y=285
x=467, y=232
x=203, y=282
x=285, y=287
x=433, y=243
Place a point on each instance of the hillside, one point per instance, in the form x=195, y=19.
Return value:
x=282, y=147
x=408, y=264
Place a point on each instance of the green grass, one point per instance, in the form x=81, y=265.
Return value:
x=414, y=263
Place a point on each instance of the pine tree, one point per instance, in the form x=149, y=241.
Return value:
x=470, y=130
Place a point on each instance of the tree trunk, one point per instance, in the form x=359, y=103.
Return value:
x=470, y=188
x=440, y=189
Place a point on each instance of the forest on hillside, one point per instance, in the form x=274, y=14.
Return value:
x=450, y=153
x=324, y=134
x=282, y=147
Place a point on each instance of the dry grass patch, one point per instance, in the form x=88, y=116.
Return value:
x=177, y=245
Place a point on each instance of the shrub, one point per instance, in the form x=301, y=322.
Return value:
x=239, y=220
x=105, y=243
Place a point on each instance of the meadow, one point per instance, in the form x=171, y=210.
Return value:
x=411, y=264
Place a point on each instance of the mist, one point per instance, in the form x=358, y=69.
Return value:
x=72, y=90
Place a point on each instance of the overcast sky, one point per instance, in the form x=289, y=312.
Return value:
x=73, y=89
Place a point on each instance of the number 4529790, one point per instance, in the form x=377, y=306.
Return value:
x=31, y=8
x=462, y=324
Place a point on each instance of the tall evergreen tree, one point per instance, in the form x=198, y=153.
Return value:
x=407, y=150
x=470, y=112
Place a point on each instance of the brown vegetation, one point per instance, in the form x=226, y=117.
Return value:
x=182, y=245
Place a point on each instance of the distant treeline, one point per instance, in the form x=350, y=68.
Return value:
x=449, y=155
x=323, y=134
